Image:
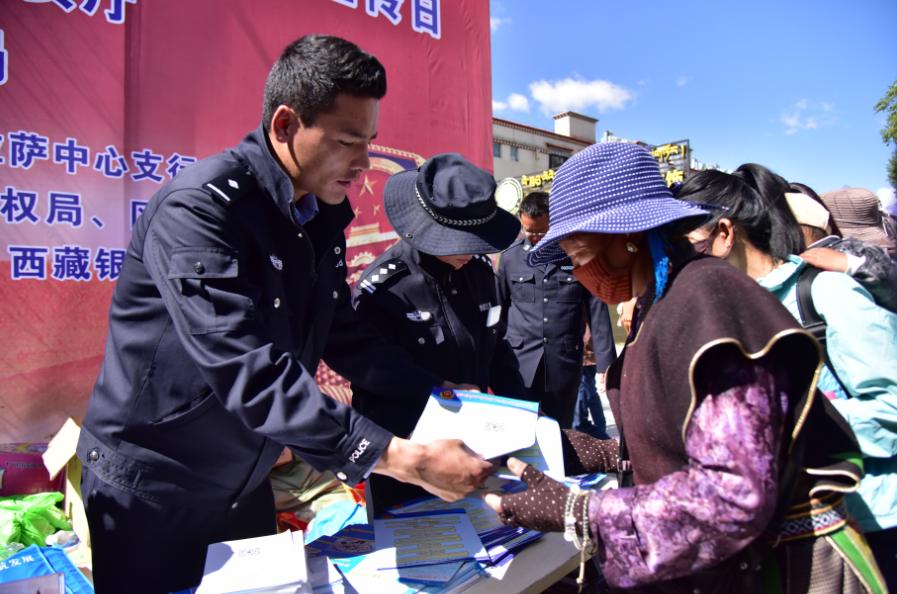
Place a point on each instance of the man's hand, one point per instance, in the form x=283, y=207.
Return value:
x=826, y=259
x=446, y=468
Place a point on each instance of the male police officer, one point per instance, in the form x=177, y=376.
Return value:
x=233, y=289
x=434, y=293
x=546, y=311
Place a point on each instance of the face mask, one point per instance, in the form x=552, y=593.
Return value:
x=609, y=287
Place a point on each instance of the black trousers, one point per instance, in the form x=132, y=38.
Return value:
x=557, y=401
x=142, y=547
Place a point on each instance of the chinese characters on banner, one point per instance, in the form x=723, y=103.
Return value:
x=104, y=101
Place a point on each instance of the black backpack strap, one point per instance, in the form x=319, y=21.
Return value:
x=810, y=318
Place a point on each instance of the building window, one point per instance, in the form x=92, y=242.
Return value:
x=514, y=155
x=496, y=150
x=555, y=160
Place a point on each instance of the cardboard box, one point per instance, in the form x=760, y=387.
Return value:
x=60, y=460
x=22, y=470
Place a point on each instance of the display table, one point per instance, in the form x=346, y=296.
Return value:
x=533, y=569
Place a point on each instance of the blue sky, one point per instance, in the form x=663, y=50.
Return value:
x=788, y=84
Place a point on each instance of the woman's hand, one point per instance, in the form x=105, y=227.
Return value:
x=826, y=259
x=539, y=507
x=584, y=453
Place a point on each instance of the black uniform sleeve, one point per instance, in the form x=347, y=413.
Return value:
x=503, y=289
x=504, y=375
x=602, y=334
x=367, y=356
x=193, y=251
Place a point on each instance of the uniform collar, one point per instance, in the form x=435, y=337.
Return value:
x=255, y=150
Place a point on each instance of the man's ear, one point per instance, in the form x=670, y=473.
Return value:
x=284, y=123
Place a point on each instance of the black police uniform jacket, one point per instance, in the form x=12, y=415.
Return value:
x=440, y=316
x=546, y=310
x=223, y=309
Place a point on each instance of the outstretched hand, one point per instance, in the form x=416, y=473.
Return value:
x=584, y=453
x=539, y=507
x=446, y=468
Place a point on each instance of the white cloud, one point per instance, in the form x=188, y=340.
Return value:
x=683, y=80
x=887, y=196
x=808, y=115
x=496, y=22
x=515, y=101
x=518, y=102
x=576, y=94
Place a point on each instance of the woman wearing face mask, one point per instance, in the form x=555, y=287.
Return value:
x=738, y=462
x=754, y=230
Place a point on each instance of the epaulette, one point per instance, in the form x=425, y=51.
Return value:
x=513, y=245
x=483, y=258
x=377, y=277
x=232, y=185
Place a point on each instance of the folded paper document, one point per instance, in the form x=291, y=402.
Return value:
x=263, y=564
x=494, y=427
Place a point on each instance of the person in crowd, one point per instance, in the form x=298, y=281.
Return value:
x=732, y=449
x=434, y=294
x=753, y=230
x=545, y=311
x=588, y=415
x=867, y=263
x=859, y=215
x=232, y=290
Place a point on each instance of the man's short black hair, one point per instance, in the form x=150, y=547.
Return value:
x=313, y=70
x=534, y=204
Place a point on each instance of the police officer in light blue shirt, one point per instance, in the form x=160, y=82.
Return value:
x=232, y=291
x=547, y=310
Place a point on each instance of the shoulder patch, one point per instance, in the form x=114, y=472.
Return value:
x=484, y=259
x=380, y=275
x=232, y=185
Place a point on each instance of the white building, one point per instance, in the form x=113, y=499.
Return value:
x=518, y=149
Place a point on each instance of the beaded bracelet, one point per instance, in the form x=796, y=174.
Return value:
x=570, y=516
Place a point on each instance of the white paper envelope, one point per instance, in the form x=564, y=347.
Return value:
x=546, y=454
x=491, y=426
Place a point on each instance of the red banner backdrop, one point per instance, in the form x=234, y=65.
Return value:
x=103, y=101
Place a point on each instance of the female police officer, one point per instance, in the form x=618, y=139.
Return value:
x=434, y=293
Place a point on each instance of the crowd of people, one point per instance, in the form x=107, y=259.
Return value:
x=755, y=397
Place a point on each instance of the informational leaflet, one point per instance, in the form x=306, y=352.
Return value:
x=353, y=552
x=546, y=454
x=428, y=538
x=481, y=516
x=492, y=426
x=495, y=427
x=263, y=564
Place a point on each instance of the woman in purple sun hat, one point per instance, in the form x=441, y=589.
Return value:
x=728, y=455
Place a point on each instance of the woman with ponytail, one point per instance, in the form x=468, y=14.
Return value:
x=730, y=445
x=750, y=231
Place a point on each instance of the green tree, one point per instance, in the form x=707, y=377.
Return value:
x=888, y=103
